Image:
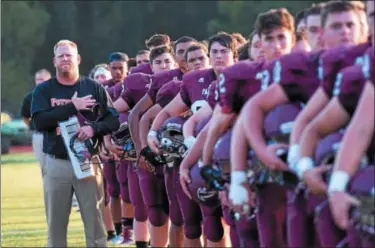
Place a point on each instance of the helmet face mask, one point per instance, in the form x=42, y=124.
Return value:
x=123, y=138
x=171, y=139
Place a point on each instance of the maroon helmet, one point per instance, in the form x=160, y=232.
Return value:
x=221, y=153
x=327, y=148
x=199, y=190
x=279, y=122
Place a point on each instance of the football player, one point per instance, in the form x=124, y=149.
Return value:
x=241, y=81
x=196, y=59
x=289, y=89
x=222, y=52
x=159, y=217
x=135, y=86
x=153, y=41
x=360, y=132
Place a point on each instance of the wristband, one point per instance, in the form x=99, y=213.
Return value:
x=303, y=165
x=152, y=133
x=238, y=177
x=293, y=155
x=200, y=164
x=189, y=141
x=339, y=181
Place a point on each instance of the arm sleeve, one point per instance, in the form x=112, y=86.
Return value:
x=26, y=106
x=127, y=96
x=167, y=92
x=350, y=88
x=184, y=92
x=213, y=94
x=153, y=90
x=45, y=118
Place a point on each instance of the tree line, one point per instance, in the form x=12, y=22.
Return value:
x=31, y=28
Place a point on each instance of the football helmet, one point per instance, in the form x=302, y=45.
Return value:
x=279, y=122
x=200, y=192
x=123, y=138
x=172, y=139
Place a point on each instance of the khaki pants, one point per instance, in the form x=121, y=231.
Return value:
x=59, y=182
x=37, y=142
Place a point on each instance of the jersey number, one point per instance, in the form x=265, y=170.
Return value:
x=264, y=77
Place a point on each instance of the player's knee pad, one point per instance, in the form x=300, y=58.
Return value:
x=140, y=213
x=157, y=215
x=192, y=228
x=213, y=228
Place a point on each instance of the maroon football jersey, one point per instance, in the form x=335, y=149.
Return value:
x=135, y=87
x=194, y=89
x=349, y=85
x=238, y=83
x=333, y=60
x=298, y=75
x=109, y=83
x=115, y=91
x=213, y=94
x=142, y=68
x=159, y=79
x=351, y=80
x=167, y=92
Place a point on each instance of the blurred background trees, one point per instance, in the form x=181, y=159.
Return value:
x=31, y=28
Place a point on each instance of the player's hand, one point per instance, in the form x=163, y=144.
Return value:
x=153, y=143
x=82, y=103
x=85, y=133
x=340, y=204
x=314, y=179
x=185, y=180
x=105, y=156
x=115, y=149
x=238, y=195
x=271, y=160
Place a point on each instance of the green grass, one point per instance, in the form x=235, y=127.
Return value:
x=23, y=222
x=18, y=158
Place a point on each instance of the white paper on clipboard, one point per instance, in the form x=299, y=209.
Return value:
x=68, y=129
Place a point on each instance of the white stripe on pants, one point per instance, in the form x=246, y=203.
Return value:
x=59, y=182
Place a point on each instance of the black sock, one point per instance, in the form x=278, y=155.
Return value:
x=110, y=234
x=127, y=222
x=141, y=244
x=118, y=228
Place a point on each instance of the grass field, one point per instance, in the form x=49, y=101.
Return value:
x=23, y=222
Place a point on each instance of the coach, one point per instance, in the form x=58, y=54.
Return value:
x=57, y=100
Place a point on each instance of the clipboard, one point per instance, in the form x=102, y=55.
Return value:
x=68, y=129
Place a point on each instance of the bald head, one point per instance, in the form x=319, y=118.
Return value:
x=41, y=76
